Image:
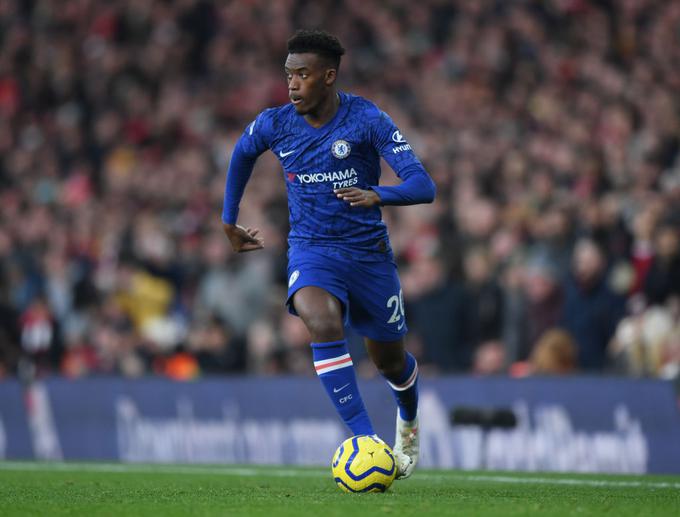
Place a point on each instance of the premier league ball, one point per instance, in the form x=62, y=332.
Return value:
x=364, y=464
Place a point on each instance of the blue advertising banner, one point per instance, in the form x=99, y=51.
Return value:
x=576, y=424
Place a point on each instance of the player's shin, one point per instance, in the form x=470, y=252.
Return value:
x=405, y=389
x=334, y=367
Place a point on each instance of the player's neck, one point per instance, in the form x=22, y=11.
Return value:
x=325, y=112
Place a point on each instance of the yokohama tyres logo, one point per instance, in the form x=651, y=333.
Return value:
x=339, y=179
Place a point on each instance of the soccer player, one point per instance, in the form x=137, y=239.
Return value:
x=341, y=268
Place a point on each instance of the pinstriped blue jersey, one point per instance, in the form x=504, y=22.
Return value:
x=345, y=152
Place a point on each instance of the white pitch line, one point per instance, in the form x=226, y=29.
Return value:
x=149, y=469
x=283, y=472
x=575, y=482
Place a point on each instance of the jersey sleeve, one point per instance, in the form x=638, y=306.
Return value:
x=257, y=136
x=417, y=186
x=253, y=142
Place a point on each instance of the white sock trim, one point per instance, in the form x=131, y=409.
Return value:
x=332, y=364
x=409, y=382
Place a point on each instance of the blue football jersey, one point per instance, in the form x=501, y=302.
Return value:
x=345, y=152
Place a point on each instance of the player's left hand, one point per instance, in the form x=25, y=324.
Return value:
x=358, y=197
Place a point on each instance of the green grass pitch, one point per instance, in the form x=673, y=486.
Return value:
x=168, y=490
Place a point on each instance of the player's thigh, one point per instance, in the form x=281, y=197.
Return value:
x=320, y=311
x=376, y=302
x=318, y=294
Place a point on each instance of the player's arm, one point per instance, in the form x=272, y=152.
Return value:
x=416, y=186
x=251, y=144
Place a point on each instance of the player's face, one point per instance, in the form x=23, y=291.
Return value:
x=310, y=80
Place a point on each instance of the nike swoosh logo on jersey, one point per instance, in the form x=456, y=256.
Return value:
x=283, y=155
x=336, y=390
x=401, y=325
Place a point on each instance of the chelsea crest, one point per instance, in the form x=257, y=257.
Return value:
x=340, y=149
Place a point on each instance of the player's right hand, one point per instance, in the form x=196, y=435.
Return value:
x=243, y=239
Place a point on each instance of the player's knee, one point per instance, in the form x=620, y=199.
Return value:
x=324, y=327
x=390, y=366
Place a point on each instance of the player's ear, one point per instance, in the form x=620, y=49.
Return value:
x=331, y=76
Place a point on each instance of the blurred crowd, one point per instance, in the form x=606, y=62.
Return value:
x=552, y=130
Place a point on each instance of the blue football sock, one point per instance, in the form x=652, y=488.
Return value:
x=335, y=369
x=405, y=389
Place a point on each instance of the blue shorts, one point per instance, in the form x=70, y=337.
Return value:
x=370, y=292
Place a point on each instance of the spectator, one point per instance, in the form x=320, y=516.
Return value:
x=40, y=338
x=483, y=300
x=539, y=124
x=435, y=314
x=663, y=277
x=489, y=358
x=544, y=296
x=555, y=353
x=216, y=348
x=648, y=343
x=591, y=309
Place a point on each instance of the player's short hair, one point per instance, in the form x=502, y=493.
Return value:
x=316, y=42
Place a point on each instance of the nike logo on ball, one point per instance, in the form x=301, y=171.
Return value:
x=283, y=155
x=336, y=390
